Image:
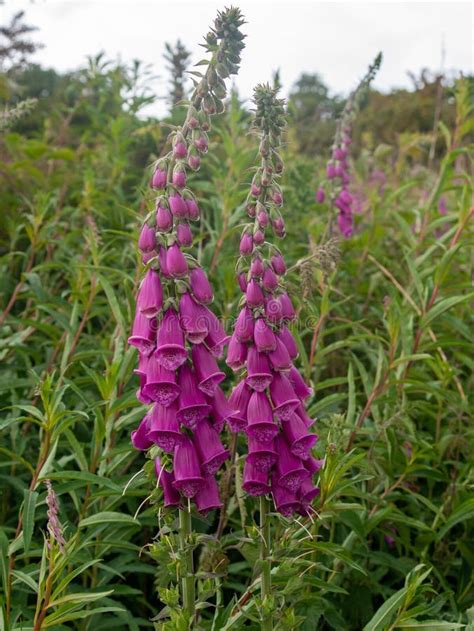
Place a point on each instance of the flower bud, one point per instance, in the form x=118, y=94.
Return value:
x=147, y=239
x=184, y=236
x=192, y=208
x=194, y=159
x=179, y=147
x=164, y=218
x=256, y=268
x=270, y=280
x=201, y=143
x=242, y=281
x=178, y=206
x=179, y=176
x=320, y=195
x=246, y=244
x=278, y=264
x=263, y=219
x=159, y=178
x=279, y=226
x=258, y=237
x=251, y=210
x=331, y=171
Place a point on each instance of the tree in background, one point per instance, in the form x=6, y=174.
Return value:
x=178, y=61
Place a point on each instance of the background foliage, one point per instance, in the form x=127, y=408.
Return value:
x=385, y=336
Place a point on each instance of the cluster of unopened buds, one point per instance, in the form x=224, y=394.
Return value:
x=178, y=337
x=270, y=398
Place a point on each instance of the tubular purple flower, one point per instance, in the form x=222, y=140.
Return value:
x=162, y=254
x=164, y=219
x=217, y=338
x=261, y=424
x=165, y=480
x=263, y=336
x=263, y=219
x=320, y=195
x=170, y=350
x=256, y=268
x=164, y=427
x=280, y=358
x=179, y=176
x=140, y=438
x=270, y=280
x=159, y=178
x=192, y=404
x=255, y=481
x=244, y=325
x=246, y=244
x=192, y=209
x=150, y=294
x=222, y=410
x=147, y=239
x=180, y=150
x=304, y=416
x=236, y=353
x=200, y=286
x=178, y=206
x=287, y=307
x=238, y=401
x=187, y=472
x=331, y=171
x=308, y=492
x=289, y=341
x=208, y=374
x=283, y=396
x=262, y=456
x=207, y=498
x=184, y=236
x=273, y=310
x=345, y=223
x=298, y=438
x=242, y=281
x=175, y=262
x=143, y=333
x=254, y=294
x=161, y=383
x=286, y=502
x=289, y=471
x=313, y=465
x=302, y=390
x=259, y=375
x=278, y=264
x=212, y=452
x=193, y=319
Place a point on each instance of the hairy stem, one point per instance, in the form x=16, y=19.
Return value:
x=187, y=577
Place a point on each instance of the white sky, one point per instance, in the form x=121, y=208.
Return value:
x=335, y=39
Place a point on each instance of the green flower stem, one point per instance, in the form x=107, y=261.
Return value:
x=188, y=591
x=265, y=547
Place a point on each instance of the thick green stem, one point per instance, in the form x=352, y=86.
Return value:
x=187, y=576
x=265, y=547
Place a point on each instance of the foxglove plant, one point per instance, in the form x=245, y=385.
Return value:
x=336, y=186
x=270, y=397
x=178, y=337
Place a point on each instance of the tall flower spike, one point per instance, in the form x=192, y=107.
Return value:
x=336, y=186
x=270, y=397
x=177, y=335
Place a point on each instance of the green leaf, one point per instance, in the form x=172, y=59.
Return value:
x=386, y=613
x=462, y=513
x=443, y=305
x=108, y=517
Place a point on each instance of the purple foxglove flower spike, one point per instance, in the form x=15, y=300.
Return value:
x=186, y=468
x=192, y=404
x=261, y=424
x=290, y=471
x=255, y=481
x=283, y=396
x=147, y=239
x=143, y=333
x=170, y=349
x=150, y=295
x=200, y=286
x=208, y=374
x=160, y=383
x=211, y=451
x=259, y=375
x=165, y=480
x=207, y=498
x=164, y=427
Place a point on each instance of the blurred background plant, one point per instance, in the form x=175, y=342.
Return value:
x=385, y=336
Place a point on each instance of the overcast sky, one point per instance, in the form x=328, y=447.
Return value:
x=335, y=39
